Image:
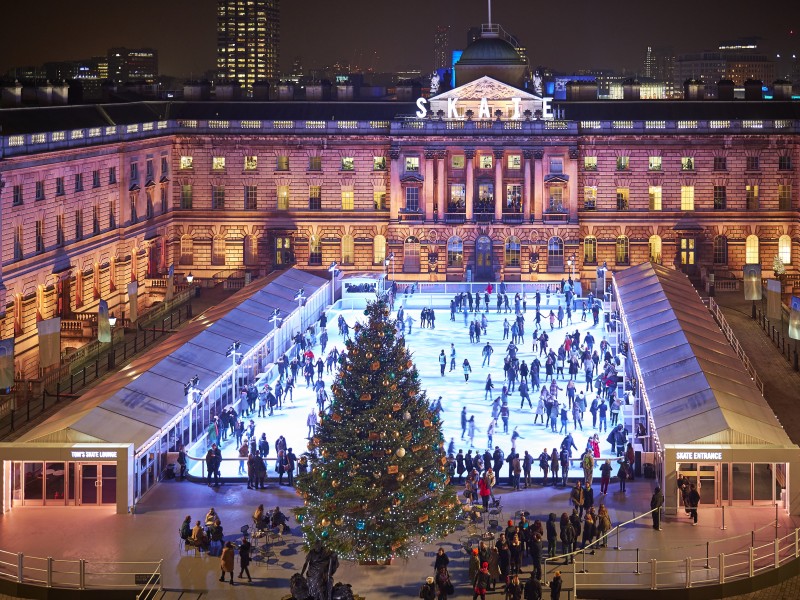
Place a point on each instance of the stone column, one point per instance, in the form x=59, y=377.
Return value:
x=394, y=184
x=572, y=171
x=441, y=183
x=527, y=155
x=427, y=185
x=498, y=185
x=469, y=157
x=538, y=183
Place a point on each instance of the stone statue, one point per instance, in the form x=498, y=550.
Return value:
x=321, y=564
x=537, y=83
x=435, y=83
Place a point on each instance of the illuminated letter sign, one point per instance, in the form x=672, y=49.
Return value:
x=483, y=111
x=516, y=102
x=94, y=454
x=452, y=113
x=547, y=109
x=698, y=456
x=422, y=112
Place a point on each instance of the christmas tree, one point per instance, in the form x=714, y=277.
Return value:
x=377, y=485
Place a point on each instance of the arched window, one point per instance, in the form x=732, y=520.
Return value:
x=250, y=250
x=785, y=249
x=590, y=250
x=348, y=250
x=314, y=250
x=187, y=250
x=411, y=255
x=655, y=249
x=622, y=250
x=455, y=252
x=512, y=251
x=378, y=250
x=720, y=250
x=555, y=254
x=751, y=254
x=218, y=251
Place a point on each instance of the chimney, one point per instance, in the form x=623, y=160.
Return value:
x=752, y=90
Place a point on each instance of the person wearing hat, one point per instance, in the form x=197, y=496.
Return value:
x=555, y=586
x=428, y=589
x=481, y=582
x=474, y=565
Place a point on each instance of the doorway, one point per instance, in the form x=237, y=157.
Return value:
x=707, y=477
x=97, y=484
x=484, y=270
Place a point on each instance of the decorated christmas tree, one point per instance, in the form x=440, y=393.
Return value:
x=377, y=485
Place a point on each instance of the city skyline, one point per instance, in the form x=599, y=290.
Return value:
x=184, y=32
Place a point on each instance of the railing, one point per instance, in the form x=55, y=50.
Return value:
x=78, y=574
x=153, y=585
x=559, y=217
x=778, y=335
x=734, y=342
x=95, y=361
x=515, y=218
x=739, y=557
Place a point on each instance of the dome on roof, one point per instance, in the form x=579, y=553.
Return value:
x=491, y=50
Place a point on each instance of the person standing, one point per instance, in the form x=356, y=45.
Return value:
x=694, y=501
x=544, y=464
x=182, y=462
x=428, y=589
x=463, y=421
x=442, y=362
x=291, y=463
x=226, y=561
x=452, y=357
x=467, y=370
x=605, y=476
x=244, y=559
x=311, y=422
x=487, y=355
x=471, y=431
x=656, y=502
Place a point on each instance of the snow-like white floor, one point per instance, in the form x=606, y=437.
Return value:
x=425, y=345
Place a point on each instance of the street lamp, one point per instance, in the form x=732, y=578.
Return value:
x=189, y=278
x=190, y=388
x=112, y=320
x=332, y=270
x=236, y=358
x=300, y=297
x=276, y=319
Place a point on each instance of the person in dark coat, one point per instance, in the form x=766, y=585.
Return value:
x=244, y=559
x=656, y=502
x=555, y=586
x=533, y=589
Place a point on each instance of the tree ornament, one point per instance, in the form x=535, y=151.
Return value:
x=335, y=483
x=324, y=534
x=400, y=477
x=401, y=452
x=419, y=470
x=361, y=524
x=338, y=521
x=368, y=355
x=407, y=416
x=375, y=365
x=325, y=521
x=396, y=406
x=366, y=397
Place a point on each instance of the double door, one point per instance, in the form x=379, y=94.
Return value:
x=707, y=477
x=97, y=483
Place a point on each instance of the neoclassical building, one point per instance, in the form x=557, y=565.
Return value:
x=482, y=182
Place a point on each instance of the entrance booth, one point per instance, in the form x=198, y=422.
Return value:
x=91, y=475
x=697, y=411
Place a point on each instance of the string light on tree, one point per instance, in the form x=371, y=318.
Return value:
x=377, y=484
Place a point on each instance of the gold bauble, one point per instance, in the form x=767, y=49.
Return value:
x=339, y=521
x=395, y=434
x=400, y=477
x=335, y=483
x=368, y=355
x=419, y=470
x=325, y=522
x=375, y=365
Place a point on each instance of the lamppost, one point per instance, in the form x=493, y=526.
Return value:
x=300, y=297
x=189, y=278
x=276, y=319
x=236, y=358
x=112, y=320
x=332, y=270
x=386, y=261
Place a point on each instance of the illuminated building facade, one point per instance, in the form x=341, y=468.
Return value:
x=248, y=36
x=483, y=182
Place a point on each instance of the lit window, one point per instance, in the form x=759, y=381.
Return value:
x=485, y=161
x=315, y=197
x=590, y=197
x=751, y=195
x=218, y=163
x=622, y=198
x=590, y=163
x=687, y=197
x=784, y=197
x=655, y=197
x=512, y=251
x=186, y=162
x=412, y=164
x=751, y=254
x=379, y=199
x=655, y=248
x=282, y=163
x=455, y=252
x=654, y=163
x=590, y=250
x=283, y=197
x=457, y=161
x=515, y=162
x=250, y=163
x=348, y=163
x=687, y=163
x=622, y=250
x=458, y=198
x=186, y=196
x=348, y=250
x=348, y=199
x=378, y=250
x=785, y=249
x=378, y=163
x=623, y=162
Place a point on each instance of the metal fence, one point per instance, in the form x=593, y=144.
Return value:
x=734, y=342
x=78, y=574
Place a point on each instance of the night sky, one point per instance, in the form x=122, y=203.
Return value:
x=393, y=34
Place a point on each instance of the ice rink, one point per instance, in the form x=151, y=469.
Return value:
x=425, y=345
